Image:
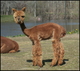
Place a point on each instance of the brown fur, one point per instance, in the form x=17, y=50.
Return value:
x=8, y=45
x=42, y=32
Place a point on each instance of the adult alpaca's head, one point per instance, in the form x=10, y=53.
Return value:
x=19, y=15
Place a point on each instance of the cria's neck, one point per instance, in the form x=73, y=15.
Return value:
x=23, y=27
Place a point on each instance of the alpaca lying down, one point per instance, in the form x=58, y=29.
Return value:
x=8, y=45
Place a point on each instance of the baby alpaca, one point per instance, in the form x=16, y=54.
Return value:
x=42, y=32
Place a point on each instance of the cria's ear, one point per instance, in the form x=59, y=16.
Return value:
x=14, y=10
x=23, y=9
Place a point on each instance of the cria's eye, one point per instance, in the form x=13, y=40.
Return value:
x=22, y=16
x=15, y=17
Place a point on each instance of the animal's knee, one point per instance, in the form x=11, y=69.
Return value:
x=61, y=48
x=53, y=40
x=37, y=51
x=16, y=46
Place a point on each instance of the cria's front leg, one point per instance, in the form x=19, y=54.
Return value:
x=37, y=54
x=34, y=60
x=34, y=56
x=61, y=54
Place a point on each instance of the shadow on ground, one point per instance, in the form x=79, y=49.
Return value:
x=49, y=60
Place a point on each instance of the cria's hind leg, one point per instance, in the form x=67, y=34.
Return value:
x=61, y=55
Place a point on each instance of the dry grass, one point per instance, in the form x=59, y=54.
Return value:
x=23, y=60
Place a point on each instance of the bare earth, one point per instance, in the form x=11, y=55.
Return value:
x=23, y=60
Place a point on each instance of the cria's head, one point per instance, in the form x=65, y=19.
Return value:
x=19, y=15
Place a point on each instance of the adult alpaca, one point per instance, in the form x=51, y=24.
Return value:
x=8, y=45
x=42, y=32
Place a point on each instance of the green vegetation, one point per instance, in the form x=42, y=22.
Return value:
x=74, y=31
x=9, y=18
x=17, y=35
x=23, y=60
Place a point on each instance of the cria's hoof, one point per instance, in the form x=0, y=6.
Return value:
x=51, y=65
x=34, y=64
x=41, y=66
x=60, y=63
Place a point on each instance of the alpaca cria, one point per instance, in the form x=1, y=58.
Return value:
x=42, y=32
x=8, y=45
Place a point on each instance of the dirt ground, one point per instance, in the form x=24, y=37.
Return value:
x=23, y=60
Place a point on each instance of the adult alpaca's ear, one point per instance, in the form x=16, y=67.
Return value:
x=23, y=9
x=14, y=10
